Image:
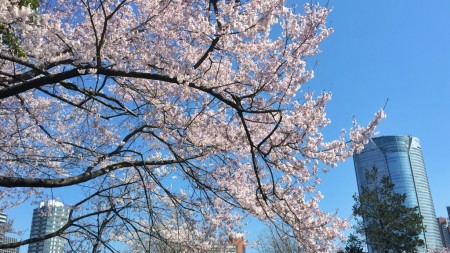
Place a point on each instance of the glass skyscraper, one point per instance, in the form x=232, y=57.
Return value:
x=49, y=217
x=400, y=158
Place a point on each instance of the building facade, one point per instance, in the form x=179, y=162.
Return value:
x=3, y=238
x=236, y=244
x=444, y=231
x=7, y=239
x=400, y=158
x=49, y=217
x=3, y=219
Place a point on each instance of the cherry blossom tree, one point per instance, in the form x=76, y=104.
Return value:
x=277, y=239
x=155, y=109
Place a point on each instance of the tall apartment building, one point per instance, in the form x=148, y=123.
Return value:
x=3, y=237
x=444, y=230
x=400, y=158
x=49, y=217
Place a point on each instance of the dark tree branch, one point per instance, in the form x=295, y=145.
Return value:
x=210, y=49
x=13, y=182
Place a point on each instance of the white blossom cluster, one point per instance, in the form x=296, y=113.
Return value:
x=184, y=113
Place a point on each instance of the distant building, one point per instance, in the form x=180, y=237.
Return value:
x=239, y=243
x=236, y=245
x=3, y=237
x=400, y=158
x=49, y=217
x=448, y=212
x=3, y=219
x=7, y=239
x=445, y=231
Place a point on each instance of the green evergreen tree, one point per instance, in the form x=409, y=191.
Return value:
x=354, y=245
x=384, y=220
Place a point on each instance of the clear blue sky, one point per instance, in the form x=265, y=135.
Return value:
x=381, y=49
x=389, y=49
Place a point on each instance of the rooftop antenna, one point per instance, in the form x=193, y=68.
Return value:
x=385, y=104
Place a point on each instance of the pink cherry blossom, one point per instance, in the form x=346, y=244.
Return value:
x=176, y=119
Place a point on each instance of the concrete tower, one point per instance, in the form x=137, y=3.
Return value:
x=49, y=217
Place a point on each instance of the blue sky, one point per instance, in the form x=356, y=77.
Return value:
x=397, y=50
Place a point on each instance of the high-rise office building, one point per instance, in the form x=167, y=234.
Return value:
x=400, y=158
x=448, y=212
x=49, y=217
x=3, y=238
x=444, y=230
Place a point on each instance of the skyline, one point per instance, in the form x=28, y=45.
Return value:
x=381, y=51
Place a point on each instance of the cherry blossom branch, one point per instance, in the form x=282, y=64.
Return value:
x=81, y=178
x=205, y=55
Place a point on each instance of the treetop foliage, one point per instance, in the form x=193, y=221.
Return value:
x=354, y=245
x=385, y=221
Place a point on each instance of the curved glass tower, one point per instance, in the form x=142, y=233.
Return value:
x=400, y=158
